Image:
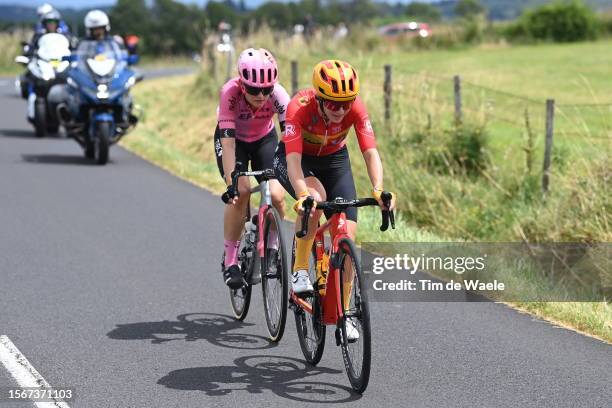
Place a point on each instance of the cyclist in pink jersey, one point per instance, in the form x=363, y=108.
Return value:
x=246, y=133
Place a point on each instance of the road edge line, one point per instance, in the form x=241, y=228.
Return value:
x=23, y=372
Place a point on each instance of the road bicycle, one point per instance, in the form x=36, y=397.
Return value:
x=339, y=297
x=262, y=258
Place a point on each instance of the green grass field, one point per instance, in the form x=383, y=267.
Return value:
x=10, y=47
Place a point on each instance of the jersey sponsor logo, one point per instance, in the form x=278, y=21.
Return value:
x=280, y=108
x=304, y=100
x=233, y=101
x=367, y=127
x=289, y=130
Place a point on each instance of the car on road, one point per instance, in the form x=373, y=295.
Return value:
x=409, y=29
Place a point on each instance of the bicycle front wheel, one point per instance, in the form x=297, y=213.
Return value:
x=274, y=275
x=310, y=327
x=355, y=325
x=240, y=299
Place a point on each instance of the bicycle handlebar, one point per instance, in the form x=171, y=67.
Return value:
x=340, y=204
x=267, y=174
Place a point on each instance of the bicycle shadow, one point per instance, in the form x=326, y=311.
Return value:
x=284, y=376
x=211, y=327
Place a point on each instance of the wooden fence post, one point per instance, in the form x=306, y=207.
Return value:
x=294, y=77
x=458, y=109
x=550, y=118
x=387, y=90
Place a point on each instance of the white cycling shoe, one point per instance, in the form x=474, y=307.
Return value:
x=300, y=282
x=352, y=334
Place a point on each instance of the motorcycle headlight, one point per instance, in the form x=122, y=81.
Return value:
x=130, y=82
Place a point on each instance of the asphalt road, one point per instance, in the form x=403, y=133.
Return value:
x=109, y=283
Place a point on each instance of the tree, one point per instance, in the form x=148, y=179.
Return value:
x=277, y=15
x=177, y=28
x=423, y=11
x=130, y=17
x=468, y=8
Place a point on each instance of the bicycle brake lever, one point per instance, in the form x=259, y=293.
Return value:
x=307, y=207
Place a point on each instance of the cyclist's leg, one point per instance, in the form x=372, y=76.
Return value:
x=233, y=215
x=338, y=182
x=303, y=245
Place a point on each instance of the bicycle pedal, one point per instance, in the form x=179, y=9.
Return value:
x=305, y=295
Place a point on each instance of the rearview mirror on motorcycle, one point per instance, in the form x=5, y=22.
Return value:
x=132, y=59
x=22, y=59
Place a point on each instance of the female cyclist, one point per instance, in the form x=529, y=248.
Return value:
x=312, y=159
x=245, y=133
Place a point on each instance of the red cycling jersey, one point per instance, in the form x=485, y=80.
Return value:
x=307, y=133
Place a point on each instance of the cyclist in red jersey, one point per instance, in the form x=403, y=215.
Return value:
x=312, y=159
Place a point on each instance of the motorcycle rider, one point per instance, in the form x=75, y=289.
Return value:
x=44, y=9
x=50, y=22
x=97, y=25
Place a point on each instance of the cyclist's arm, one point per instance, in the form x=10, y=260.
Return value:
x=226, y=116
x=280, y=100
x=228, y=158
x=295, y=173
x=375, y=168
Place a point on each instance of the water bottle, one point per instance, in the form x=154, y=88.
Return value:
x=251, y=230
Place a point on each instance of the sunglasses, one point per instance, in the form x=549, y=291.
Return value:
x=254, y=90
x=336, y=106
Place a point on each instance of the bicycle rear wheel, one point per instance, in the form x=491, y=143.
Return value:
x=357, y=353
x=240, y=299
x=274, y=276
x=310, y=327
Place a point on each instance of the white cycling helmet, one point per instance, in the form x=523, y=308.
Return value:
x=96, y=18
x=44, y=9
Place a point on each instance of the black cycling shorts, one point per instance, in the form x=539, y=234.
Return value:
x=260, y=153
x=333, y=171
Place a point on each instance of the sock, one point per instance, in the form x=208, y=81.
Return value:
x=303, y=247
x=273, y=239
x=231, y=252
x=347, y=287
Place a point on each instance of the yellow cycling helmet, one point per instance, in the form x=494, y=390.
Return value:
x=335, y=80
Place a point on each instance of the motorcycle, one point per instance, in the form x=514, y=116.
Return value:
x=99, y=82
x=47, y=67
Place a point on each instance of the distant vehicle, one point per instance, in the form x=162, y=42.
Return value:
x=405, y=30
x=45, y=68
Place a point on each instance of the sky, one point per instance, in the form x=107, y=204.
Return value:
x=91, y=3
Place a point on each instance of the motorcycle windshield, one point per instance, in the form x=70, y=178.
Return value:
x=53, y=47
x=102, y=58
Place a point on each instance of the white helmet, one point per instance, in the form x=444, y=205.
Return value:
x=96, y=18
x=44, y=9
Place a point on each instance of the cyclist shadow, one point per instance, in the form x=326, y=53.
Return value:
x=286, y=377
x=211, y=327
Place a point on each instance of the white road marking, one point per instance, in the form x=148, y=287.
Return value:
x=23, y=372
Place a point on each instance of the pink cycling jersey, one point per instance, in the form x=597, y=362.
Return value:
x=234, y=112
